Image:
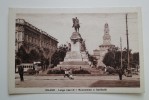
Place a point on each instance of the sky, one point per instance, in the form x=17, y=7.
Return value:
x=59, y=25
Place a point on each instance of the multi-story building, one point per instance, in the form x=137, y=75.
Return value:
x=31, y=38
x=103, y=48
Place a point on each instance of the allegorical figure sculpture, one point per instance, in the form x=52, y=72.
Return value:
x=69, y=46
x=76, y=24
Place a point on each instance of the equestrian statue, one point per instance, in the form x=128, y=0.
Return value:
x=76, y=24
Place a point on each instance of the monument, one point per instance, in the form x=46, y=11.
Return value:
x=76, y=55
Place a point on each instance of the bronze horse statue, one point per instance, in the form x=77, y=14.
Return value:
x=76, y=24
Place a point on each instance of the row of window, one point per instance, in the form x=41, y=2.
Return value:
x=18, y=36
x=37, y=42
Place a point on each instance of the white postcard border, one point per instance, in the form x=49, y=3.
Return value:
x=11, y=51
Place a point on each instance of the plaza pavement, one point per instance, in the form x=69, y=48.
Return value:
x=79, y=81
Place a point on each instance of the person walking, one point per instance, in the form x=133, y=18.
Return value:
x=21, y=72
x=70, y=75
x=120, y=73
x=66, y=73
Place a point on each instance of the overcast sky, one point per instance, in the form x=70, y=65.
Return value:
x=91, y=27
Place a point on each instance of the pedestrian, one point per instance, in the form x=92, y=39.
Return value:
x=70, y=74
x=36, y=70
x=21, y=72
x=120, y=73
x=66, y=73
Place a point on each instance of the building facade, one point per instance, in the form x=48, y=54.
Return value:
x=31, y=38
x=104, y=47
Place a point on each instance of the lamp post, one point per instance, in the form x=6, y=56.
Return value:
x=121, y=52
x=128, y=56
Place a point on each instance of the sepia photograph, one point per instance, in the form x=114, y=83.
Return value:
x=75, y=50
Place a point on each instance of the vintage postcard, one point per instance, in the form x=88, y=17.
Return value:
x=75, y=50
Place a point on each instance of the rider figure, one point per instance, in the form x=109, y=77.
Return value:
x=76, y=24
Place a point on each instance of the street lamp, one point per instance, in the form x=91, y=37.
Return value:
x=128, y=65
x=121, y=52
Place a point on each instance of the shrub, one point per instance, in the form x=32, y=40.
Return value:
x=111, y=70
x=82, y=71
x=55, y=72
x=30, y=71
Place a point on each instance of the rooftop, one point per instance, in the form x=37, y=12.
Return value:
x=23, y=22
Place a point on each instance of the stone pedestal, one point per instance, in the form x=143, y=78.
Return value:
x=76, y=57
x=73, y=56
x=75, y=46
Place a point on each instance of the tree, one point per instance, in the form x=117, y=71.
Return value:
x=117, y=59
x=113, y=58
x=59, y=55
x=47, y=62
x=109, y=59
x=92, y=59
x=136, y=58
x=34, y=56
x=23, y=55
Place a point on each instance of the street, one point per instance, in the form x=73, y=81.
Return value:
x=79, y=81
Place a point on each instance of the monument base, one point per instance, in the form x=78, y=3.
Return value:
x=75, y=59
x=77, y=56
x=73, y=56
x=74, y=65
